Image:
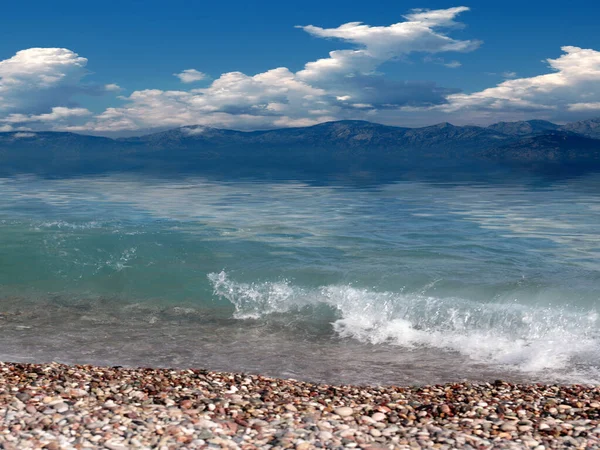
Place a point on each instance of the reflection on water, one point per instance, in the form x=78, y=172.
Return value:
x=503, y=277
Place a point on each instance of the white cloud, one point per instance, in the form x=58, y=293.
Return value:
x=419, y=33
x=438, y=17
x=344, y=85
x=58, y=113
x=441, y=61
x=37, y=86
x=190, y=76
x=595, y=106
x=453, y=64
x=5, y=128
x=574, y=85
x=234, y=100
x=34, y=80
x=113, y=87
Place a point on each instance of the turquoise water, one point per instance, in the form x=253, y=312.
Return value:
x=408, y=282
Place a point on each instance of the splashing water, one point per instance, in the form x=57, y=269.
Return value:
x=526, y=337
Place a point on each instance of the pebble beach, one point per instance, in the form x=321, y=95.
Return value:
x=55, y=406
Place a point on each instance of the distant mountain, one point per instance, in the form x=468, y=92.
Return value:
x=589, y=128
x=552, y=148
x=341, y=134
x=524, y=128
x=448, y=136
x=343, y=147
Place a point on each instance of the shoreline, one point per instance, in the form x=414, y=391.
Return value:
x=57, y=406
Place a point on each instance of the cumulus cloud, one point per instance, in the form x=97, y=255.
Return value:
x=344, y=85
x=572, y=86
x=419, y=33
x=233, y=100
x=37, y=79
x=190, y=76
x=37, y=86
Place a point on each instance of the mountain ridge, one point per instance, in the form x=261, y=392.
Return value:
x=330, y=147
x=589, y=127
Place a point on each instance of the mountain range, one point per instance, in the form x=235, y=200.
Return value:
x=341, y=147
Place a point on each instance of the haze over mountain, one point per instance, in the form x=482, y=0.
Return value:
x=340, y=147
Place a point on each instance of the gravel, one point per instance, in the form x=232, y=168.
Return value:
x=55, y=406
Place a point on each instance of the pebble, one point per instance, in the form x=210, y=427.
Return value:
x=344, y=411
x=378, y=417
x=325, y=436
x=112, y=445
x=61, y=407
x=508, y=426
x=117, y=408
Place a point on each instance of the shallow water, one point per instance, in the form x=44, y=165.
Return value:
x=408, y=282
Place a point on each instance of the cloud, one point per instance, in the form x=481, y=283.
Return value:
x=507, y=74
x=233, y=100
x=419, y=33
x=438, y=17
x=594, y=106
x=37, y=79
x=442, y=62
x=573, y=86
x=113, y=87
x=190, y=76
x=344, y=85
x=37, y=86
x=58, y=113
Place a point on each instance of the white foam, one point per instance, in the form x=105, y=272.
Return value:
x=523, y=337
x=255, y=300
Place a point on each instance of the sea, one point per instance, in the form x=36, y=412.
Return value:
x=409, y=281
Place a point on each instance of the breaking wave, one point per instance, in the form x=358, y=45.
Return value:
x=524, y=337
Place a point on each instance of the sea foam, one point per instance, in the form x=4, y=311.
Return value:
x=528, y=338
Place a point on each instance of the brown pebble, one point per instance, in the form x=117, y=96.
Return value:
x=122, y=408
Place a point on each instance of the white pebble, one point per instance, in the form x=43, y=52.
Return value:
x=378, y=417
x=344, y=411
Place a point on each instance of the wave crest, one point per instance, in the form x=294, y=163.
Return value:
x=525, y=337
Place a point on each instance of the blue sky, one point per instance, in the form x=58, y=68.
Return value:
x=111, y=67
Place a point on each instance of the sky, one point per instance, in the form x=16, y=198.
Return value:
x=130, y=67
